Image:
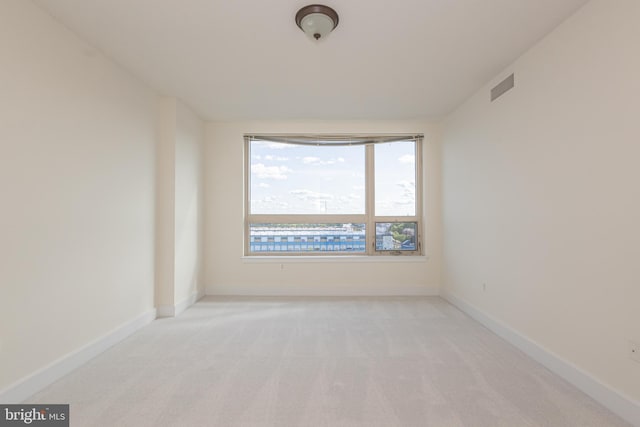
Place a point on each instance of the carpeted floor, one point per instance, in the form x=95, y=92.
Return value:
x=397, y=361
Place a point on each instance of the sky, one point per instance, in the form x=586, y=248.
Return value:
x=301, y=179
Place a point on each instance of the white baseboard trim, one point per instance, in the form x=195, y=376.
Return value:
x=327, y=290
x=187, y=302
x=28, y=386
x=616, y=402
x=177, y=309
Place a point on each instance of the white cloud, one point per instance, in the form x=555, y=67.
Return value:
x=270, y=172
x=276, y=158
x=269, y=204
x=264, y=185
x=400, y=202
x=408, y=189
x=407, y=196
x=407, y=159
x=404, y=202
x=319, y=200
x=310, y=160
x=310, y=195
x=406, y=184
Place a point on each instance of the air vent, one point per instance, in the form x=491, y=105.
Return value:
x=502, y=87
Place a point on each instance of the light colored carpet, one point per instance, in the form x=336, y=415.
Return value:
x=283, y=362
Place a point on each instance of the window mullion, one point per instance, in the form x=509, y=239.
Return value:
x=370, y=198
x=247, y=192
x=305, y=219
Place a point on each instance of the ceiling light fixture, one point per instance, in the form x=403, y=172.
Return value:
x=317, y=20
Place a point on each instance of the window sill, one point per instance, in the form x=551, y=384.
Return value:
x=332, y=259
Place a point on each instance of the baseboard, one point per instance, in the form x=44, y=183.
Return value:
x=177, y=309
x=327, y=290
x=28, y=386
x=616, y=402
x=187, y=302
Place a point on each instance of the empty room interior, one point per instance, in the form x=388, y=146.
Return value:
x=356, y=213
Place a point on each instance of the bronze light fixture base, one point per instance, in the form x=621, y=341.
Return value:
x=317, y=20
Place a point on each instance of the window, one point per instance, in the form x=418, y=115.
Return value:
x=333, y=195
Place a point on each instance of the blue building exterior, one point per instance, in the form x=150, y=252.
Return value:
x=295, y=239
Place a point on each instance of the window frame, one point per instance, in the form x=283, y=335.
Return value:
x=368, y=218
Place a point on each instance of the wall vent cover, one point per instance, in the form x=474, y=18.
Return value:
x=502, y=87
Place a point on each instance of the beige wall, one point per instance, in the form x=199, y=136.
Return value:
x=542, y=195
x=165, y=205
x=77, y=193
x=189, y=151
x=227, y=273
x=179, y=207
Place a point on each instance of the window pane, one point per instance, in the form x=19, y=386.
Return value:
x=396, y=236
x=307, y=238
x=297, y=179
x=395, y=179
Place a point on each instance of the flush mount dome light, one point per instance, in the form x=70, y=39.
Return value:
x=317, y=20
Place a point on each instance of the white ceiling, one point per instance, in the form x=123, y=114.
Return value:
x=247, y=59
